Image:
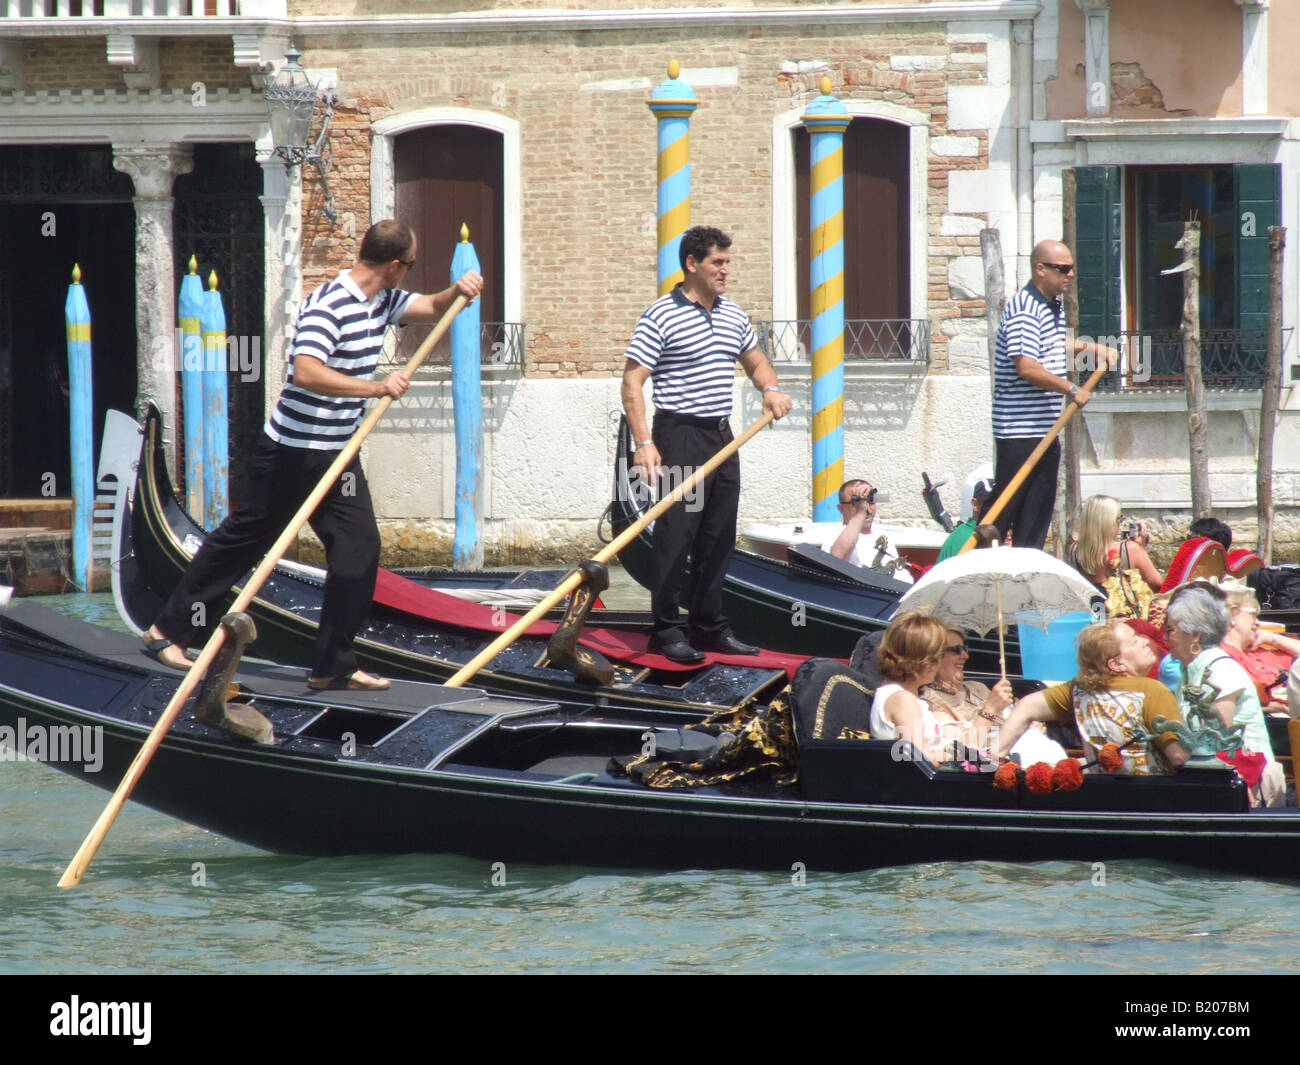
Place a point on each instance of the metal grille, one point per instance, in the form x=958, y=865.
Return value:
x=873, y=340
x=500, y=344
x=1231, y=360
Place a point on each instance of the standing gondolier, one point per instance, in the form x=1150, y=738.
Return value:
x=1029, y=381
x=687, y=343
x=336, y=348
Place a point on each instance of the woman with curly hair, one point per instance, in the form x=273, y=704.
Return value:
x=908, y=658
x=1108, y=704
x=1120, y=568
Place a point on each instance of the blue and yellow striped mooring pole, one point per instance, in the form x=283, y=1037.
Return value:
x=216, y=447
x=81, y=411
x=189, y=307
x=467, y=410
x=826, y=120
x=672, y=103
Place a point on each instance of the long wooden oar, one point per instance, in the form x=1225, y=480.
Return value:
x=81, y=860
x=990, y=515
x=604, y=555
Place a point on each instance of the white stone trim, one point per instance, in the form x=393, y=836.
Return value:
x=1254, y=58
x=167, y=115
x=785, y=298
x=383, y=188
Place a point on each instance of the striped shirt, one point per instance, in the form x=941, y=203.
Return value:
x=1031, y=327
x=691, y=354
x=343, y=329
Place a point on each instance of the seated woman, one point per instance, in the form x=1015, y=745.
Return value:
x=1109, y=705
x=1266, y=656
x=1120, y=568
x=964, y=709
x=909, y=658
x=1216, y=689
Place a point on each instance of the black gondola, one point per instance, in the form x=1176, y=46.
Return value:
x=428, y=769
x=812, y=604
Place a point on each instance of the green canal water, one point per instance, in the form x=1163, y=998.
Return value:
x=164, y=897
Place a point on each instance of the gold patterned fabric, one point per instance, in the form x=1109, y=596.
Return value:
x=764, y=746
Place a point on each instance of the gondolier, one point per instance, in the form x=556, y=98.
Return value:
x=335, y=351
x=1029, y=381
x=687, y=343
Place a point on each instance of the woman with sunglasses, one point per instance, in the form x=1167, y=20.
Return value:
x=964, y=709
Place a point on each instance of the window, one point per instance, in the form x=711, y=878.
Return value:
x=1128, y=223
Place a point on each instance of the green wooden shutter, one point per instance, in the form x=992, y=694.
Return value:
x=1259, y=205
x=1098, y=252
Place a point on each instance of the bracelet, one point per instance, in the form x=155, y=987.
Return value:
x=638, y=447
x=771, y=388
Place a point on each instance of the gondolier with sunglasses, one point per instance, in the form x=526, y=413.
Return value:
x=1029, y=388
x=687, y=343
x=336, y=348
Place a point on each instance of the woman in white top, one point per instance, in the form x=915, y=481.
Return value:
x=909, y=657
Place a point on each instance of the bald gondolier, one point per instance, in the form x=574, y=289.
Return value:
x=335, y=352
x=687, y=343
x=1029, y=388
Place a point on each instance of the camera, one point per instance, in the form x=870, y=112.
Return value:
x=1132, y=530
x=869, y=498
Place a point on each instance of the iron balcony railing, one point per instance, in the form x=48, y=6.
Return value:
x=1231, y=360
x=866, y=340
x=500, y=344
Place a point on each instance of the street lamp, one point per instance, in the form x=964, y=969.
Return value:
x=292, y=99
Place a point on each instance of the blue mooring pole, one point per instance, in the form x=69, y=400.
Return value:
x=188, y=310
x=76, y=313
x=216, y=446
x=467, y=406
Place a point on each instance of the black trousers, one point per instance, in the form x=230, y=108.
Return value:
x=1029, y=514
x=280, y=480
x=703, y=526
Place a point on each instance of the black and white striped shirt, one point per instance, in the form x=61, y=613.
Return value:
x=339, y=326
x=690, y=353
x=1032, y=327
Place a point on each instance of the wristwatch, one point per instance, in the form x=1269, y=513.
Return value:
x=771, y=388
x=1072, y=391
x=638, y=447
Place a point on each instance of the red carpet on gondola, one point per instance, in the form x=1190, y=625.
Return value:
x=408, y=597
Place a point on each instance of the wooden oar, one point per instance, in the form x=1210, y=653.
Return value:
x=81, y=860
x=990, y=515
x=604, y=555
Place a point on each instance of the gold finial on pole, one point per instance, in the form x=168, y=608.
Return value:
x=825, y=85
x=76, y=273
x=212, y=281
x=194, y=265
x=674, y=68
x=464, y=233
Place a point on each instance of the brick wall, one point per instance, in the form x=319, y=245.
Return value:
x=588, y=156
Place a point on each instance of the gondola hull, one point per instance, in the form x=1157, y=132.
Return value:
x=454, y=771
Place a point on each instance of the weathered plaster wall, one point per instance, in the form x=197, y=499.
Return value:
x=1173, y=58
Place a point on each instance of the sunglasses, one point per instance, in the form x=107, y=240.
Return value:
x=1061, y=268
x=956, y=649
x=409, y=265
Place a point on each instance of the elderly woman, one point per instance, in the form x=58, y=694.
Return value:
x=1109, y=704
x=1121, y=568
x=1216, y=689
x=1267, y=656
x=908, y=659
x=964, y=709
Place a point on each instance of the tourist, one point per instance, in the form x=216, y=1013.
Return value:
x=1117, y=564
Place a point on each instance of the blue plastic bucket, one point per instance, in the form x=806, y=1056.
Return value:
x=1051, y=655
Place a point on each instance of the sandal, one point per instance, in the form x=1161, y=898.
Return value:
x=154, y=649
x=357, y=682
